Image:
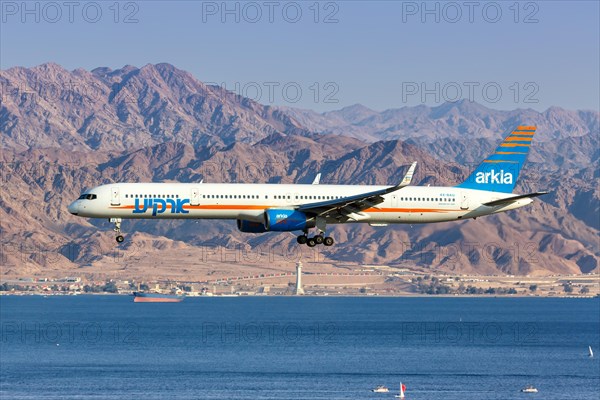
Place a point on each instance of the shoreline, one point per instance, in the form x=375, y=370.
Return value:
x=478, y=296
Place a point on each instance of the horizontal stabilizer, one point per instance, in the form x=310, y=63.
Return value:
x=513, y=198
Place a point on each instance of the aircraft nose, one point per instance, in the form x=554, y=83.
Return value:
x=73, y=207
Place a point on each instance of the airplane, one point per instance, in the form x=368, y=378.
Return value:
x=259, y=208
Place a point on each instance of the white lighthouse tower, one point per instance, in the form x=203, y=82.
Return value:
x=299, y=290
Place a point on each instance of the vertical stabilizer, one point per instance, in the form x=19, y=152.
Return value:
x=499, y=171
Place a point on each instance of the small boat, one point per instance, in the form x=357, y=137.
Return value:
x=380, y=389
x=142, y=297
x=529, y=389
x=401, y=394
x=590, y=351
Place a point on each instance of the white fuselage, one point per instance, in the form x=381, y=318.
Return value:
x=411, y=204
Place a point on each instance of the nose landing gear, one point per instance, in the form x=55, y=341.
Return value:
x=117, y=229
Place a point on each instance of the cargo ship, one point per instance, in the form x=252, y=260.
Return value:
x=141, y=297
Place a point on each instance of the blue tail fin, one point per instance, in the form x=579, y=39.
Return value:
x=499, y=171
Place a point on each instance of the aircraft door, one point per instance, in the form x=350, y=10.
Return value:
x=464, y=200
x=115, y=198
x=195, y=198
x=394, y=201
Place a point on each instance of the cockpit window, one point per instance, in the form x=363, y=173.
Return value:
x=87, y=197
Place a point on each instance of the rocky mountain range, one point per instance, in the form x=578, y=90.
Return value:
x=48, y=106
x=64, y=131
x=569, y=138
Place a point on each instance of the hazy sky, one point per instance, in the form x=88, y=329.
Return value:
x=330, y=54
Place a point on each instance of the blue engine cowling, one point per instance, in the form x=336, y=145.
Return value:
x=285, y=220
x=250, y=226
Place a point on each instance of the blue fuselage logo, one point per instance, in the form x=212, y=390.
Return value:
x=159, y=206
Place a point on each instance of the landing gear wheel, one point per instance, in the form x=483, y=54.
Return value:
x=311, y=242
x=302, y=239
x=117, y=229
x=328, y=241
x=319, y=239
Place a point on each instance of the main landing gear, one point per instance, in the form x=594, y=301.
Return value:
x=315, y=240
x=319, y=238
x=117, y=229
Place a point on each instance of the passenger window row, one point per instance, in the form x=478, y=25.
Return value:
x=255, y=197
x=277, y=197
x=426, y=199
x=151, y=196
x=231, y=196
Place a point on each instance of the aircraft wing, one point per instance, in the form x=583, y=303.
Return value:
x=509, y=200
x=347, y=206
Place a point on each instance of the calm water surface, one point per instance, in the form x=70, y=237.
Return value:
x=107, y=347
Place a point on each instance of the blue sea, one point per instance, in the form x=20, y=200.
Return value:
x=107, y=347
